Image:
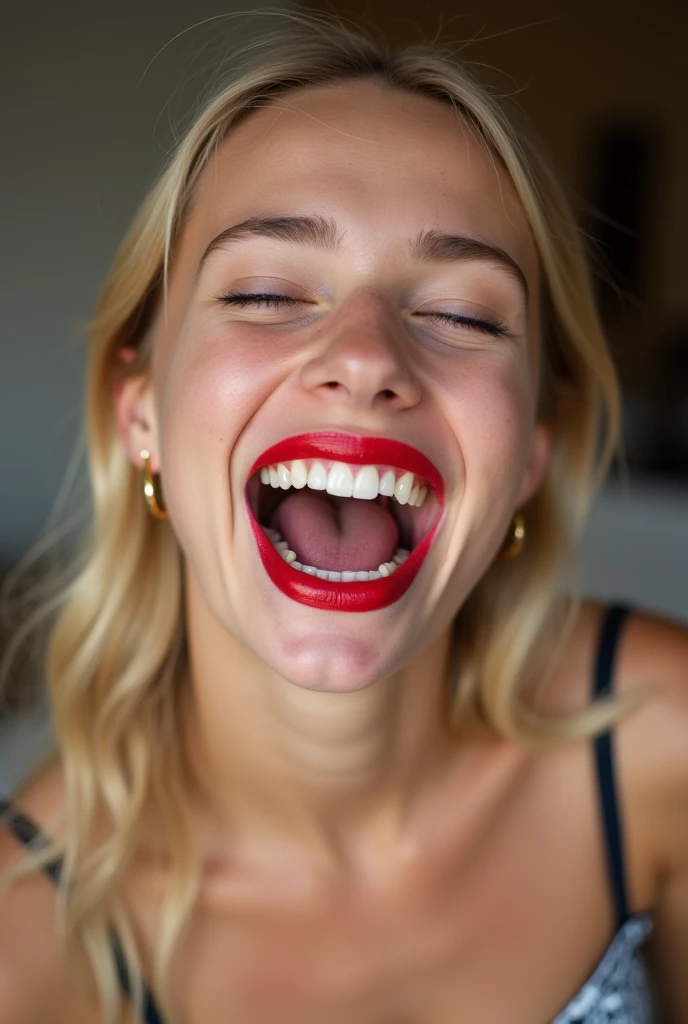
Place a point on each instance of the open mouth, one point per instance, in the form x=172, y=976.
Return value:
x=343, y=522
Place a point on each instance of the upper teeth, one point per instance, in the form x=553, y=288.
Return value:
x=340, y=480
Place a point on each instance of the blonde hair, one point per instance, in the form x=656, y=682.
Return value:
x=116, y=661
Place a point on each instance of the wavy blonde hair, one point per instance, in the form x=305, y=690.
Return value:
x=116, y=659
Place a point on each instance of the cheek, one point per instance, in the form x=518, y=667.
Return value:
x=212, y=386
x=215, y=379
x=490, y=405
x=490, y=411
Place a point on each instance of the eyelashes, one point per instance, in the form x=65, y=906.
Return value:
x=264, y=300
x=269, y=300
x=493, y=327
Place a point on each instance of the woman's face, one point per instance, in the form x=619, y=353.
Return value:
x=398, y=331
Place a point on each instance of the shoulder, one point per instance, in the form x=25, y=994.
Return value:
x=653, y=657
x=650, y=661
x=655, y=654
x=650, y=658
x=655, y=651
x=22, y=934
x=650, y=741
x=36, y=979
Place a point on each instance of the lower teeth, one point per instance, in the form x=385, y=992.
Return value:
x=352, y=576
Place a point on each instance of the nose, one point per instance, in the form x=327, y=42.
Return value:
x=362, y=362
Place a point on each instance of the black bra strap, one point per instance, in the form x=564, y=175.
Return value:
x=604, y=758
x=27, y=833
x=151, y=1014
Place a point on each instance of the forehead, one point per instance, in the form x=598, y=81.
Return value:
x=382, y=162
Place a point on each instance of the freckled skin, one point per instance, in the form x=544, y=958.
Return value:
x=378, y=161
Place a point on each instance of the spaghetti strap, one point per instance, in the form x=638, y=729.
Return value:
x=28, y=834
x=151, y=1014
x=610, y=633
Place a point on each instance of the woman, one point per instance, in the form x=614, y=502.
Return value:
x=325, y=724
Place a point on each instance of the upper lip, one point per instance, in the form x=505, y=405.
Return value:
x=354, y=449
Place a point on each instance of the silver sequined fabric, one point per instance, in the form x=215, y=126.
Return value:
x=618, y=991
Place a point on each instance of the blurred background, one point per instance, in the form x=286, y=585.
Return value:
x=93, y=93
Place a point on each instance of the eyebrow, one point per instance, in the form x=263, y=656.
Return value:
x=318, y=232
x=436, y=246
x=322, y=233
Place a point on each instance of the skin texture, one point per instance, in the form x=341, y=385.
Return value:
x=358, y=867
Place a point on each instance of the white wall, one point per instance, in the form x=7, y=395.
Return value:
x=636, y=546
x=85, y=126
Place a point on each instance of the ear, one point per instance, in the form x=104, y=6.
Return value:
x=136, y=418
x=540, y=449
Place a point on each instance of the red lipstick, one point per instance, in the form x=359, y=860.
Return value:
x=355, y=450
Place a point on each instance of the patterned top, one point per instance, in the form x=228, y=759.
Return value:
x=618, y=990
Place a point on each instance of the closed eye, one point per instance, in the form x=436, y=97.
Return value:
x=271, y=300
x=493, y=327
x=264, y=300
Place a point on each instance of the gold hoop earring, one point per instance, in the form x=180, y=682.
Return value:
x=151, y=488
x=514, y=542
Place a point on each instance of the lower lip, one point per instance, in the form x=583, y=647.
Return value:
x=339, y=597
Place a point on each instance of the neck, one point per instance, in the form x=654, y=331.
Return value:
x=274, y=760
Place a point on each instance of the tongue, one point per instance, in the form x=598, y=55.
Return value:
x=336, y=533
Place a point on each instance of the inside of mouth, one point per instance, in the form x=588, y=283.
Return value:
x=338, y=533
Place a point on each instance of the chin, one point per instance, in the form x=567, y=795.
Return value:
x=330, y=662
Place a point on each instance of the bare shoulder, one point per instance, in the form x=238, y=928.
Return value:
x=656, y=652
x=651, y=741
x=23, y=963
x=36, y=981
x=654, y=655
x=653, y=658
x=650, y=754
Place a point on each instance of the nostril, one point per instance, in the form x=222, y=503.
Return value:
x=388, y=393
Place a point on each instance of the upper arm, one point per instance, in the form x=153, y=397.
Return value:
x=38, y=983
x=656, y=652
x=20, y=981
